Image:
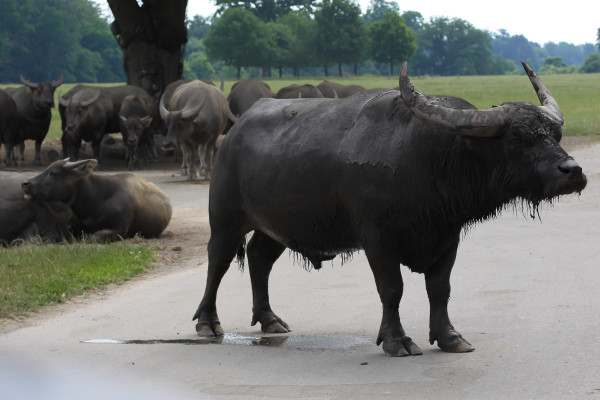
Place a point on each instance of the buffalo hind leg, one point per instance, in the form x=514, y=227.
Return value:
x=221, y=251
x=262, y=253
x=437, y=282
x=388, y=278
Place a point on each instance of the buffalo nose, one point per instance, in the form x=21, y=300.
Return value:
x=25, y=185
x=570, y=167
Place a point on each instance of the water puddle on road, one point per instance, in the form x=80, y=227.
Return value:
x=303, y=342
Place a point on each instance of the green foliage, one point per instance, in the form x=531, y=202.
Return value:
x=43, y=39
x=377, y=9
x=266, y=10
x=34, y=276
x=452, y=47
x=591, y=63
x=392, y=42
x=341, y=35
x=238, y=38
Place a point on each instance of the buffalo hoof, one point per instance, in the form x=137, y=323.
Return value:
x=271, y=323
x=208, y=329
x=401, y=348
x=458, y=345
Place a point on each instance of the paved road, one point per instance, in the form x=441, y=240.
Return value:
x=524, y=293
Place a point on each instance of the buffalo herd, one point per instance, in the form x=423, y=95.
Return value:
x=191, y=116
x=320, y=170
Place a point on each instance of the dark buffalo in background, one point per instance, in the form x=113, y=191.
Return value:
x=195, y=115
x=108, y=207
x=136, y=116
x=34, y=106
x=295, y=91
x=333, y=90
x=22, y=219
x=88, y=113
x=398, y=174
x=9, y=125
x=245, y=93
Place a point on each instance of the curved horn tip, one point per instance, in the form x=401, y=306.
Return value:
x=528, y=69
x=404, y=69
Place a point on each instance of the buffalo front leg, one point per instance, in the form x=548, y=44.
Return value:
x=437, y=282
x=37, y=159
x=262, y=254
x=390, y=286
x=221, y=250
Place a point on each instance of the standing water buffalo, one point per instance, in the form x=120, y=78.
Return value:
x=88, y=113
x=9, y=125
x=333, y=90
x=295, y=91
x=195, y=116
x=136, y=115
x=398, y=174
x=106, y=206
x=34, y=103
x=245, y=93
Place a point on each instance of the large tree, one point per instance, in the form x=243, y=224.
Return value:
x=341, y=34
x=153, y=36
x=392, y=41
x=239, y=38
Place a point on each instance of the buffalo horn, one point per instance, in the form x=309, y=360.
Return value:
x=192, y=112
x=28, y=83
x=62, y=101
x=92, y=100
x=232, y=117
x=59, y=82
x=469, y=122
x=549, y=105
x=164, y=113
x=74, y=164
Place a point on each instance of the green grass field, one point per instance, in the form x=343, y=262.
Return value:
x=577, y=94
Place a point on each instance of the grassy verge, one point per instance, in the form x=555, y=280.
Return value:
x=34, y=276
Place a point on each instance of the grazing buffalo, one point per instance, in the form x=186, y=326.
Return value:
x=398, y=174
x=295, y=91
x=195, y=116
x=34, y=103
x=336, y=90
x=136, y=115
x=245, y=93
x=88, y=113
x=107, y=206
x=22, y=219
x=9, y=125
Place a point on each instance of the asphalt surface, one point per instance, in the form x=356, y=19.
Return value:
x=524, y=293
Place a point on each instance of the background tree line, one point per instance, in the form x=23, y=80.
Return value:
x=259, y=38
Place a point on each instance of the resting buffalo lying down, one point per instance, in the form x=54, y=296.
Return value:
x=394, y=172
x=106, y=206
x=22, y=219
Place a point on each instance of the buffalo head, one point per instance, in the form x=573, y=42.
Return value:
x=179, y=123
x=43, y=93
x=56, y=182
x=76, y=108
x=517, y=138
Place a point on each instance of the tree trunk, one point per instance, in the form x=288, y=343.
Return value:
x=325, y=69
x=340, y=69
x=153, y=39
